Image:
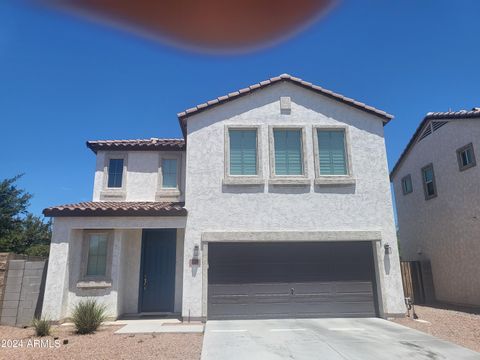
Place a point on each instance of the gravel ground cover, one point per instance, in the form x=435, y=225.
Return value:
x=459, y=327
x=104, y=344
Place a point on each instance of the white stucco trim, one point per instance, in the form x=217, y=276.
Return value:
x=91, y=281
x=169, y=194
x=243, y=179
x=287, y=179
x=124, y=222
x=320, y=179
x=276, y=236
x=108, y=193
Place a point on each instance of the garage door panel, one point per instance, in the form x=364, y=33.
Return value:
x=281, y=280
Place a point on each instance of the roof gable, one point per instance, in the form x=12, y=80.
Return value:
x=429, y=125
x=182, y=116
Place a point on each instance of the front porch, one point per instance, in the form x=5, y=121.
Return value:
x=140, y=261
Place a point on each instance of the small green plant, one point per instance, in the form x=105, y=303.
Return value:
x=88, y=315
x=42, y=327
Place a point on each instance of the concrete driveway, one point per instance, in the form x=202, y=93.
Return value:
x=324, y=339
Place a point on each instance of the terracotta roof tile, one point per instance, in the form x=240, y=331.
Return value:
x=445, y=115
x=117, y=208
x=137, y=144
x=386, y=117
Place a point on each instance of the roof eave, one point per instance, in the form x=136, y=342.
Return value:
x=428, y=117
x=182, y=116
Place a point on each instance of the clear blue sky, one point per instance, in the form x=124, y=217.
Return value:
x=64, y=80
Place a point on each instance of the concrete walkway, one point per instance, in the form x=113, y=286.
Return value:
x=326, y=339
x=148, y=326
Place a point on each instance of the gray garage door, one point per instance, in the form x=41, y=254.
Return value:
x=284, y=280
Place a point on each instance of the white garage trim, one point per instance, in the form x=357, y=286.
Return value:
x=223, y=236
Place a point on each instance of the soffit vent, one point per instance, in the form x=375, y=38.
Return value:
x=438, y=124
x=426, y=132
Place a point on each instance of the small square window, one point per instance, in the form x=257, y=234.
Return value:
x=429, y=185
x=115, y=173
x=407, y=186
x=466, y=157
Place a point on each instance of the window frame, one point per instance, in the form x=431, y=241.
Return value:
x=320, y=179
x=406, y=177
x=117, y=193
x=462, y=167
x=425, y=190
x=288, y=179
x=85, y=255
x=242, y=179
x=169, y=192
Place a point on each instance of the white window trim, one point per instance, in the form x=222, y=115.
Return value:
x=169, y=192
x=92, y=281
x=243, y=179
x=348, y=179
x=462, y=167
x=287, y=179
x=108, y=193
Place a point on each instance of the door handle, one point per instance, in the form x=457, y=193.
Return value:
x=292, y=291
x=144, y=282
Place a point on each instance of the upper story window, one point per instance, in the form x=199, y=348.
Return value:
x=332, y=154
x=429, y=186
x=466, y=157
x=407, y=186
x=115, y=173
x=243, y=152
x=97, y=254
x=169, y=173
x=288, y=152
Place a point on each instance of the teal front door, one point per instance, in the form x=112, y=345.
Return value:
x=157, y=280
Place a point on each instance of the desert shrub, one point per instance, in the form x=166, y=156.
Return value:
x=88, y=315
x=41, y=326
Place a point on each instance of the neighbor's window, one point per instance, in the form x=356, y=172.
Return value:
x=115, y=173
x=288, y=151
x=407, y=186
x=97, y=255
x=429, y=182
x=169, y=173
x=331, y=152
x=466, y=157
x=243, y=151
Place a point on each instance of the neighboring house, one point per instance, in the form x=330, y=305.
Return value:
x=276, y=204
x=437, y=191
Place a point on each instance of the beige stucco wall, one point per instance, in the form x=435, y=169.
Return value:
x=365, y=206
x=64, y=268
x=445, y=229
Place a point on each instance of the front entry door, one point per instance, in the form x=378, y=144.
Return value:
x=157, y=281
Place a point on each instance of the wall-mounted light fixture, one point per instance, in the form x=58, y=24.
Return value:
x=388, y=249
x=195, y=258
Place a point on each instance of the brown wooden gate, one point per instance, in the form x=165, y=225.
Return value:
x=417, y=281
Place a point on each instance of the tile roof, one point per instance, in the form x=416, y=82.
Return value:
x=117, y=208
x=386, y=117
x=462, y=114
x=137, y=144
x=446, y=115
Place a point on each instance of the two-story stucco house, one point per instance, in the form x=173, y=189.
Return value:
x=276, y=204
x=437, y=192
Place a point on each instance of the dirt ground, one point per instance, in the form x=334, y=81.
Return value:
x=101, y=345
x=459, y=327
